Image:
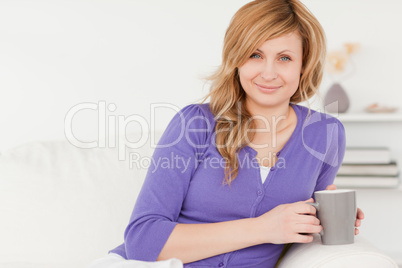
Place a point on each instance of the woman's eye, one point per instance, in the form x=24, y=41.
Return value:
x=285, y=58
x=255, y=56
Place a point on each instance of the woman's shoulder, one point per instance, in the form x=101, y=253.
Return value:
x=322, y=135
x=201, y=107
x=314, y=124
x=198, y=112
x=310, y=116
x=192, y=124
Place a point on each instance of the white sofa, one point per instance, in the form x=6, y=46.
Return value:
x=63, y=206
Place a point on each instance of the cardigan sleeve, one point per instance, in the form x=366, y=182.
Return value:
x=334, y=155
x=160, y=200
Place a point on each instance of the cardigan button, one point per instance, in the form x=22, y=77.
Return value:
x=259, y=192
x=272, y=168
x=221, y=264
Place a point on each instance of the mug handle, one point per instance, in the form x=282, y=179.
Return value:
x=317, y=207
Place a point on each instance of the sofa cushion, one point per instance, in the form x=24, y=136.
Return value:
x=315, y=255
x=63, y=204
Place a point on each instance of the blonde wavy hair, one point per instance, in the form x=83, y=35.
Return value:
x=252, y=25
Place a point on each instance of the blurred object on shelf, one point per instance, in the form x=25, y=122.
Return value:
x=377, y=108
x=338, y=59
x=368, y=167
x=336, y=99
x=367, y=155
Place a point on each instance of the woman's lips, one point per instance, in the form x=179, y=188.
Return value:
x=267, y=89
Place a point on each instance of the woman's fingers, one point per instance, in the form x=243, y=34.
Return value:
x=358, y=223
x=331, y=187
x=304, y=208
x=303, y=238
x=359, y=214
x=308, y=219
x=359, y=218
x=308, y=229
x=286, y=223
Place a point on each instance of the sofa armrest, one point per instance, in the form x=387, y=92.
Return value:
x=313, y=255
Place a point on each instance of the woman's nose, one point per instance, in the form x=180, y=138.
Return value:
x=268, y=71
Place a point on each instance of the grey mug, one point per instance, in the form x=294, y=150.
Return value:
x=336, y=210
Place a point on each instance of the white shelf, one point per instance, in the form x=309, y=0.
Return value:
x=369, y=117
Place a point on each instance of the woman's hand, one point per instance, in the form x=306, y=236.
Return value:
x=290, y=223
x=359, y=214
x=359, y=218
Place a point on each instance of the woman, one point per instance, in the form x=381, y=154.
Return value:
x=243, y=166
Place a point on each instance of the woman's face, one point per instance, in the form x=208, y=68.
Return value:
x=271, y=75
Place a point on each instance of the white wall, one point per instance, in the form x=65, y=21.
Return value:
x=57, y=54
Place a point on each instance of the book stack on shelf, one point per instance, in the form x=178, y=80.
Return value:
x=364, y=167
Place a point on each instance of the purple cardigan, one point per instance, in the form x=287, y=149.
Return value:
x=184, y=183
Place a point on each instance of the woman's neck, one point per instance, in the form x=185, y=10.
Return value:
x=271, y=118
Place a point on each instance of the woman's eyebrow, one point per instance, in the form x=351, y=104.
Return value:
x=286, y=50
x=283, y=51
